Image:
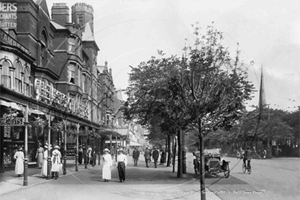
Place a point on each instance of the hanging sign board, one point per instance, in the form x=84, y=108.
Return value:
x=16, y=121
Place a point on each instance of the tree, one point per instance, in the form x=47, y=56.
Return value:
x=205, y=89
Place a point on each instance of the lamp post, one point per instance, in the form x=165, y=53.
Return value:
x=76, y=156
x=65, y=147
x=49, y=158
x=25, y=182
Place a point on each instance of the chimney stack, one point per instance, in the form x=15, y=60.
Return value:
x=60, y=13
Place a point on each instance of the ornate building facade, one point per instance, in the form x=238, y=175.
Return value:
x=49, y=78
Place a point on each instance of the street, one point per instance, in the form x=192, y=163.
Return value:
x=276, y=178
x=141, y=183
x=270, y=179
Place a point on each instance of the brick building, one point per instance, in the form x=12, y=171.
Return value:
x=49, y=77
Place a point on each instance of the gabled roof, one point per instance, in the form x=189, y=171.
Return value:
x=43, y=5
x=87, y=35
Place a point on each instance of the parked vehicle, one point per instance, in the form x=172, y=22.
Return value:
x=213, y=162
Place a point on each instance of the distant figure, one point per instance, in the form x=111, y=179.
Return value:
x=89, y=155
x=80, y=153
x=147, y=155
x=39, y=156
x=155, y=155
x=264, y=154
x=135, y=156
x=121, y=164
x=19, y=167
x=55, y=161
x=238, y=155
x=162, y=157
x=106, y=167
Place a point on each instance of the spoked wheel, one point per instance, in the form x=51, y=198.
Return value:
x=227, y=172
x=244, y=168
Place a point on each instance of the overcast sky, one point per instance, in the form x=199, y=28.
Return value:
x=268, y=32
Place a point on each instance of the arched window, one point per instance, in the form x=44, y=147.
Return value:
x=26, y=88
x=44, y=45
x=5, y=76
x=18, y=77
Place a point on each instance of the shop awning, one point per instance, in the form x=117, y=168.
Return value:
x=10, y=105
x=134, y=144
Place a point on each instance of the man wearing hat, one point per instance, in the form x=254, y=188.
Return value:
x=55, y=159
x=121, y=164
x=107, y=163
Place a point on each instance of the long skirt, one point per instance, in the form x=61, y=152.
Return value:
x=44, y=168
x=121, y=170
x=19, y=168
x=106, y=172
x=40, y=160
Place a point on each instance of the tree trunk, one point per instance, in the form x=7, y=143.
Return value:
x=202, y=170
x=169, y=151
x=184, y=151
x=174, y=153
x=179, y=166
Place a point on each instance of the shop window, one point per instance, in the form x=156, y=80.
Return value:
x=5, y=76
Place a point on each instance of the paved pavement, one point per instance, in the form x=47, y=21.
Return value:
x=141, y=184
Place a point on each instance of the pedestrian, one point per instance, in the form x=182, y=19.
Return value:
x=112, y=152
x=135, y=156
x=162, y=157
x=155, y=155
x=147, y=155
x=80, y=153
x=55, y=160
x=44, y=171
x=89, y=154
x=106, y=167
x=121, y=164
x=39, y=156
x=19, y=166
x=265, y=154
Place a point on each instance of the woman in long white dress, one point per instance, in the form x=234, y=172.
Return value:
x=39, y=156
x=19, y=167
x=44, y=171
x=106, y=168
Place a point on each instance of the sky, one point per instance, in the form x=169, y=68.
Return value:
x=267, y=32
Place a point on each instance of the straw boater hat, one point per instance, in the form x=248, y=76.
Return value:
x=106, y=150
x=121, y=150
x=56, y=147
x=20, y=148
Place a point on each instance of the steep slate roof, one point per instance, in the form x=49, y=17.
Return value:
x=58, y=26
x=43, y=5
x=87, y=34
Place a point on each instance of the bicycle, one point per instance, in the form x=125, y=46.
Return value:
x=247, y=167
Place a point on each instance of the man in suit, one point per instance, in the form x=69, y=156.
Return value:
x=147, y=155
x=155, y=155
x=135, y=156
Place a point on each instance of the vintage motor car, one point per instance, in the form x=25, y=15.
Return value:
x=213, y=162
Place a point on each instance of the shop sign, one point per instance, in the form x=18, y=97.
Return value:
x=16, y=121
x=7, y=39
x=8, y=15
x=51, y=96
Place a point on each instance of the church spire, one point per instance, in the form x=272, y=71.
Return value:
x=262, y=95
